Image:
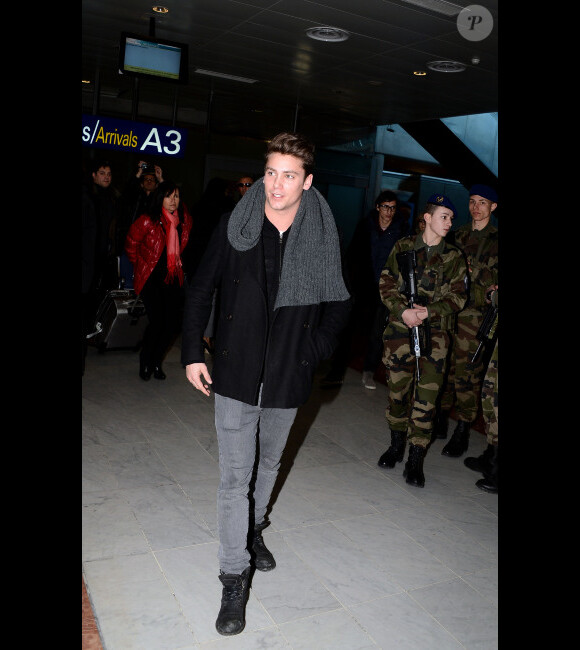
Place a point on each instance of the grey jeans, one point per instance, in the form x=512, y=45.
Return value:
x=237, y=426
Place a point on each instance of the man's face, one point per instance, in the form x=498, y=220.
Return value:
x=244, y=184
x=480, y=209
x=440, y=221
x=149, y=183
x=386, y=211
x=284, y=182
x=102, y=177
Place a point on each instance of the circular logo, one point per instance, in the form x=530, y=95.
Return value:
x=474, y=23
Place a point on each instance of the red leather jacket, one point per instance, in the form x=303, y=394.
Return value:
x=145, y=242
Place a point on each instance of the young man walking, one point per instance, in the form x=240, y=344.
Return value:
x=282, y=303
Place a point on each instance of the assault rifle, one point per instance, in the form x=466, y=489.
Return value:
x=420, y=335
x=488, y=327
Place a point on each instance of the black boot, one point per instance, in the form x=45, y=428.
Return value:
x=414, y=466
x=232, y=616
x=457, y=446
x=440, y=425
x=480, y=463
x=263, y=559
x=158, y=372
x=145, y=372
x=396, y=452
x=489, y=481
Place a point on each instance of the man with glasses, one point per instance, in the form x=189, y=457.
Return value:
x=243, y=185
x=367, y=253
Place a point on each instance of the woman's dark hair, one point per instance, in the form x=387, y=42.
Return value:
x=166, y=188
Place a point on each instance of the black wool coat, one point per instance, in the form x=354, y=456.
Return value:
x=247, y=352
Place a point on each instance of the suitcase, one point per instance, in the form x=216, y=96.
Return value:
x=120, y=321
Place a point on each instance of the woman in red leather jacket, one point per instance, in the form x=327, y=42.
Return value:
x=155, y=244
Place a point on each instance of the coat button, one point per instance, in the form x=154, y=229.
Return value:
x=306, y=325
x=304, y=362
x=236, y=280
x=229, y=317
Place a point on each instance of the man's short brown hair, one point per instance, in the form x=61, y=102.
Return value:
x=293, y=144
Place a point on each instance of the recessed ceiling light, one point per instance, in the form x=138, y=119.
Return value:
x=420, y=73
x=160, y=9
x=85, y=81
x=446, y=66
x=328, y=34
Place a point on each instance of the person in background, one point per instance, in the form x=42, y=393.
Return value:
x=243, y=184
x=462, y=388
x=365, y=258
x=154, y=245
x=105, y=199
x=282, y=303
x=440, y=294
x=206, y=212
x=137, y=197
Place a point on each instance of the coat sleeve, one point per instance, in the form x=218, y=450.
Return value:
x=335, y=316
x=135, y=237
x=199, y=294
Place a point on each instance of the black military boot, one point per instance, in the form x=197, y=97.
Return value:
x=263, y=559
x=396, y=452
x=414, y=466
x=480, y=463
x=459, y=441
x=232, y=616
x=440, y=425
x=490, y=479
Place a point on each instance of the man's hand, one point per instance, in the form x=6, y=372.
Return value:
x=413, y=317
x=198, y=375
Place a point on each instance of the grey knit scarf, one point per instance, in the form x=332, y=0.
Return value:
x=311, y=268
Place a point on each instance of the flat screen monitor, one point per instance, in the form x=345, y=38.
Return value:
x=153, y=57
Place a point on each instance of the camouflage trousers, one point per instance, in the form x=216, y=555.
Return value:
x=462, y=385
x=412, y=404
x=489, y=399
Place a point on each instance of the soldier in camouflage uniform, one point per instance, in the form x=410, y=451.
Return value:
x=479, y=242
x=489, y=405
x=441, y=293
x=487, y=462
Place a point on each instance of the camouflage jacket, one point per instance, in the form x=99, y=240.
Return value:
x=481, y=250
x=440, y=283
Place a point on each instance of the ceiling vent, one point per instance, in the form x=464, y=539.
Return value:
x=329, y=34
x=438, y=6
x=446, y=66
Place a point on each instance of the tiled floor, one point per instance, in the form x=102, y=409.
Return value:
x=363, y=559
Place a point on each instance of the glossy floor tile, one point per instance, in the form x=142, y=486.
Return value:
x=363, y=559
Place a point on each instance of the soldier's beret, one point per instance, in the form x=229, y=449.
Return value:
x=484, y=190
x=441, y=199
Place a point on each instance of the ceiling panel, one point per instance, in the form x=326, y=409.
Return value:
x=323, y=86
